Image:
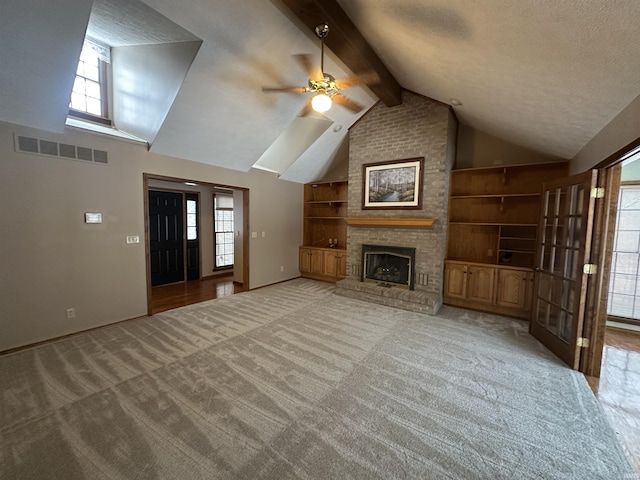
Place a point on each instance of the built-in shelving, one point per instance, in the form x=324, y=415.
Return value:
x=494, y=212
x=493, y=226
x=325, y=209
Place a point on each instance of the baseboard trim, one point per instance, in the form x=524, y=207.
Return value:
x=68, y=335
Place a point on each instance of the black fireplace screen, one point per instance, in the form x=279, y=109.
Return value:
x=393, y=266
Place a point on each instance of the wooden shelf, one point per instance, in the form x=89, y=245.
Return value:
x=494, y=212
x=325, y=206
x=488, y=224
x=508, y=195
x=380, y=222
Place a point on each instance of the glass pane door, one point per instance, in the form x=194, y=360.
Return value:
x=563, y=242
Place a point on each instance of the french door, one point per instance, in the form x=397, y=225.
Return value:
x=562, y=264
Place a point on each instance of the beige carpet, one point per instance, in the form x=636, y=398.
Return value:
x=292, y=381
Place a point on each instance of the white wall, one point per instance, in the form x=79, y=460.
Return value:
x=51, y=260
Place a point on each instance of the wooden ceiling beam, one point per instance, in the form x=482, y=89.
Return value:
x=346, y=41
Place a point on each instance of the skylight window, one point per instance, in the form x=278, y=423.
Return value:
x=89, y=96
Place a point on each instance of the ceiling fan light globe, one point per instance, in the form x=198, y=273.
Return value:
x=321, y=103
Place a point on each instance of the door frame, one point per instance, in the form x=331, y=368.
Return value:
x=604, y=229
x=245, y=227
x=583, y=212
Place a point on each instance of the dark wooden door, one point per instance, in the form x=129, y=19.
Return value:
x=166, y=243
x=563, y=250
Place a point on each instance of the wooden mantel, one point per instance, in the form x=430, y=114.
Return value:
x=385, y=222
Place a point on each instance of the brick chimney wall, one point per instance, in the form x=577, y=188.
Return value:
x=419, y=127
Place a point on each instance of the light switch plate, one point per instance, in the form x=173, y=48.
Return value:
x=133, y=239
x=90, y=217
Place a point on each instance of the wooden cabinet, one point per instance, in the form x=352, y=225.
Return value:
x=329, y=264
x=492, y=288
x=455, y=280
x=514, y=289
x=335, y=263
x=493, y=226
x=325, y=209
x=480, y=285
x=311, y=260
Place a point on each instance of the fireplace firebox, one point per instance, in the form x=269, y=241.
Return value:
x=391, y=266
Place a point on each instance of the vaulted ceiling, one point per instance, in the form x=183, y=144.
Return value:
x=546, y=75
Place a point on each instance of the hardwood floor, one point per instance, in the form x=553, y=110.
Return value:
x=618, y=389
x=166, y=297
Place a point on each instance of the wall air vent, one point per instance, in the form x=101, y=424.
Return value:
x=37, y=146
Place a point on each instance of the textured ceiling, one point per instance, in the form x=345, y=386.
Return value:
x=546, y=75
x=120, y=23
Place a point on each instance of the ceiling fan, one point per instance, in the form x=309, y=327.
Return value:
x=325, y=87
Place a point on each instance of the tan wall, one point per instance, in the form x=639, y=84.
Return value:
x=51, y=260
x=620, y=132
x=479, y=149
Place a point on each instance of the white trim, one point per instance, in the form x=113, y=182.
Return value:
x=94, y=127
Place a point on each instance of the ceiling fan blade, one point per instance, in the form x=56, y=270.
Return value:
x=369, y=78
x=347, y=103
x=312, y=71
x=285, y=89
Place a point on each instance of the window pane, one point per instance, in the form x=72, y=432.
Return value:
x=191, y=206
x=92, y=72
x=87, y=83
x=94, y=106
x=192, y=233
x=79, y=85
x=624, y=286
x=224, y=201
x=79, y=102
x=191, y=220
x=93, y=89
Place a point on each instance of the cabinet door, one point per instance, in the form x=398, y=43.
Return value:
x=304, y=263
x=342, y=264
x=480, y=283
x=317, y=261
x=330, y=264
x=513, y=288
x=455, y=280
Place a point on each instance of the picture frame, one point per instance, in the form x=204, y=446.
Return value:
x=393, y=184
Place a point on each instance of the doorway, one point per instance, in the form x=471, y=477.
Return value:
x=166, y=239
x=200, y=280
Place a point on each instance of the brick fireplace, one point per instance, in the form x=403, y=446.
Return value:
x=419, y=127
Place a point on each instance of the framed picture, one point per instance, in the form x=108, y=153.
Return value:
x=396, y=184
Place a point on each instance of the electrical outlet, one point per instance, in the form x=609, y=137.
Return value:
x=254, y=234
x=133, y=239
x=71, y=313
x=282, y=268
